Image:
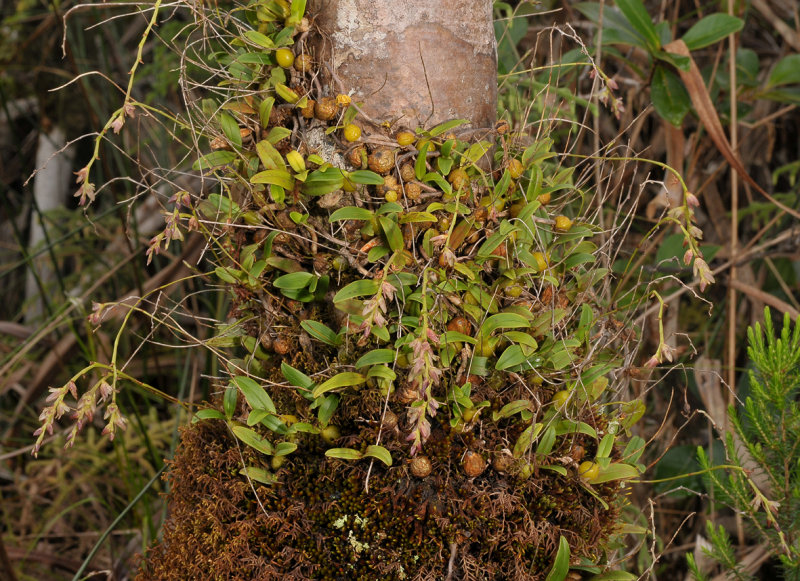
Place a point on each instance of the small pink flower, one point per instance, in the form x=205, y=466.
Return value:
x=117, y=123
x=82, y=174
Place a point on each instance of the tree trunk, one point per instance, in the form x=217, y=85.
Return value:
x=416, y=63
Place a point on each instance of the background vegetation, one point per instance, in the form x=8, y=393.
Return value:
x=98, y=505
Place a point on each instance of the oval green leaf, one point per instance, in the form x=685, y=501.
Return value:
x=255, y=395
x=346, y=379
x=357, y=288
x=636, y=14
x=711, y=29
x=351, y=213
x=392, y=233
x=366, y=177
x=293, y=281
x=278, y=177
x=560, y=563
x=285, y=448
x=295, y=377
x=253, y=439
x=259, y=475
x=321, y=332
x=380, y=453
x=511, y=357
x=209, y=414
x=375, y=357
x=344, y=453
x=669, y=95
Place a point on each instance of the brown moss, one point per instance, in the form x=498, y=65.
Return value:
x=322, y=522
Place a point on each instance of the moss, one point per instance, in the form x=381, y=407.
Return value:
x=326, y=520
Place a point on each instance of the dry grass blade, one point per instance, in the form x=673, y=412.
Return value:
x=792, y=37
x=764, y=297
x=708, y=115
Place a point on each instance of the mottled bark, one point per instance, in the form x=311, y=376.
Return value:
x=413, y=62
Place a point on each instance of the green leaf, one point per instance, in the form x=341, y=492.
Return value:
x=274, y=423
x=476, y=151
x=616, y=575
x=711, y=29
x=213, y=160
x=351, y=213
x=392, y=233
x=413, y=217
x=375, y=357
x=296, y=11
x=637, y=15
x=284, y=264
x=255, y=395
x=446, y=126
x=511, y=357
x=209, y=414
x=439, y=180
x=285, y=448
x=256, y=417
x=573, y=427
x=295, y=377
x=319, y=182
x=445, y=164
x=264, y=110
x=230, y=128
x=495, y=240
x=455, y=336
x=366, y=177
x=605, y=446
x=253, y=439
x=344, y=453
x=258, y=39
x=277, y=133
x=678, y=61
x=321, y=332
x=670, y=98
x=389, y=208
x=786, y=72
x=303, y=427
x=229, y=401
x=345, y=379
x=503, y=321
x=420, y=164
x=259, y=475
x=616, y=472
x=512, y=408
x=294, y=280
x=558, y=469
x=380, y=453
x=286, y=93
x=577, y=259
x=278, y=177
x=523, y=339
x=327, y=408
x=357, y=288
x=526, y=439
x=561, y=562
x=226, y=274
x=547, y=441
x=376, y=253
x=381, y=371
